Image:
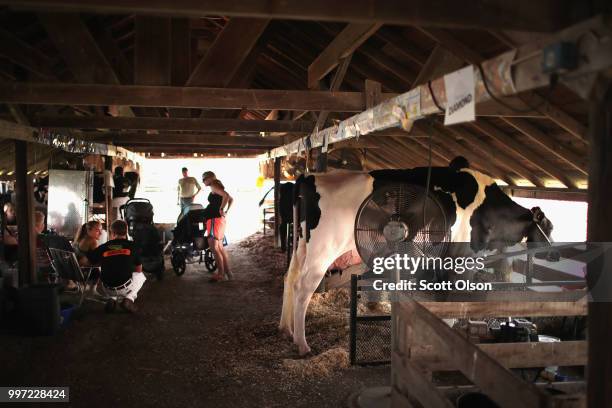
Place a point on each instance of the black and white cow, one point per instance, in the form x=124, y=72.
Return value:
x=479, y=211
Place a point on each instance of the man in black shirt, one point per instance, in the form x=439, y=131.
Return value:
x=122, y=274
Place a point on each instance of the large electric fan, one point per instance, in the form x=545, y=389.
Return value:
x=399, y=218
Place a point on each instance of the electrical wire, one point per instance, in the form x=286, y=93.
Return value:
x=433, y=97
x=554, y=79
x=427, y=183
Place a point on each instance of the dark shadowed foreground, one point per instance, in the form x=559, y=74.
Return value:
x=196, y=344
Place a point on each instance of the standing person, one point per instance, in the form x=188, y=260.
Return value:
x=122, y=274
x=120, y=195
x=219, y=203
x=188, y=188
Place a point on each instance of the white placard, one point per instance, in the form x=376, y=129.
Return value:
x=460, y=96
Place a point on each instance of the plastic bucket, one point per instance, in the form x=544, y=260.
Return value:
x=66, y=314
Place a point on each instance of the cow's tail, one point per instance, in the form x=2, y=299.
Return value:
x=295, y=265
x=293, y=273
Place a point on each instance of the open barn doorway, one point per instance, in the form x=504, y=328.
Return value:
x=159, y=182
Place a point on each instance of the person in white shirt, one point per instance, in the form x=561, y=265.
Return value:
x=188, y=188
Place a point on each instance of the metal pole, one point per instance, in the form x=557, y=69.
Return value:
x=25, y=226
x=277, y=171
x=353, y=320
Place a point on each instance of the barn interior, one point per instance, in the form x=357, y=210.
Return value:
x=300, y=88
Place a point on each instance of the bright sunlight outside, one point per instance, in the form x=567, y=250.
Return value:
x=160, y=179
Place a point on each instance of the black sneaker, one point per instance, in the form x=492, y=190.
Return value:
x=129, y=306
x=110, y=306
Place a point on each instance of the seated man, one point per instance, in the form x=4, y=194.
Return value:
x=121, y=267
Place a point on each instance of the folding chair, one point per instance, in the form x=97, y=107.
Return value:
x=67, y=267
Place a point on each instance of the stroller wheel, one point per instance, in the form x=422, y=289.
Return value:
x=209, y=260
x=178, y=263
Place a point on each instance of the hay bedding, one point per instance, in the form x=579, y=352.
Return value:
x=327, y=327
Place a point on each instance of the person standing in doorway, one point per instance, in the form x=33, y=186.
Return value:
x=188, y=188
x=219, y=203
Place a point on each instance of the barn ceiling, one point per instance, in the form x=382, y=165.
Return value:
x=261, y=63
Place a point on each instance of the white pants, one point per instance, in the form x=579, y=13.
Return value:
x=129, y=292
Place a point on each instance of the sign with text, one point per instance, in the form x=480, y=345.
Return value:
x=460, y=98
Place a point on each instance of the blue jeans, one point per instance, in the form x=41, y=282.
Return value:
x=185, y=203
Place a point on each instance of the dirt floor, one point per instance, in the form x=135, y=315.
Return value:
x=198, y=344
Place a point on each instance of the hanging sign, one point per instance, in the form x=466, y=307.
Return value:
x=460, y=96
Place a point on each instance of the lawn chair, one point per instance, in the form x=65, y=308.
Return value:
x=67, y=267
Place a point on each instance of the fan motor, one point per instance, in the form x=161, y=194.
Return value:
x=395, y=231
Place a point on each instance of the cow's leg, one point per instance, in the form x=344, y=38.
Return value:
x=313, y=273
x=293, y=273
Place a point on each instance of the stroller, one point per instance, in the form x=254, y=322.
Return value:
x=189, y=243
x=138, y=213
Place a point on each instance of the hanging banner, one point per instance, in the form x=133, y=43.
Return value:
x=460, y=98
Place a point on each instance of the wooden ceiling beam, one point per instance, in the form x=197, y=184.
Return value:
x=534, y=158
x=437, y=158
x=548, y=143
x=440, y=62
x=401, y=46
x=24, y=55
x=228, y=52
x=547, y=109
x=347, y=41
x=190, y=124
x=181, y=97
x=496, y=155
x=79, y=50
x=190, y=150
x=186, y=138
x=527, y=15
x=458, y=149
x=153, y=49
x=113, y=54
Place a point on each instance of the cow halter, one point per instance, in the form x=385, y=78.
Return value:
x=537, y=223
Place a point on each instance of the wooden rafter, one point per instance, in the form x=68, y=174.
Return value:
x=347, y=41
x=440, y=62
x=203, y=125
x=153, y=48
x=335, y=86
x=181, y=97
x=228, y=52
x=523, y=15
x=187, y=139
x=548, y=143
x=534, y=99
x=79, y=49
x=459, y=149
x=113, y=54
x=533, y=157
x=496, y=155
x=24, y=55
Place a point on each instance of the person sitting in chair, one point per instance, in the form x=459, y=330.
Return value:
x=122, y=275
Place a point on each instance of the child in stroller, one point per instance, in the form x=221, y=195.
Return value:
x=138, y=213
x=190, y=242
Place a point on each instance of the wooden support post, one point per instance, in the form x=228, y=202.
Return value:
x=373, y=93
x=599, y=369
x=108, y=192
x=25, y=221
x=277, y=171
